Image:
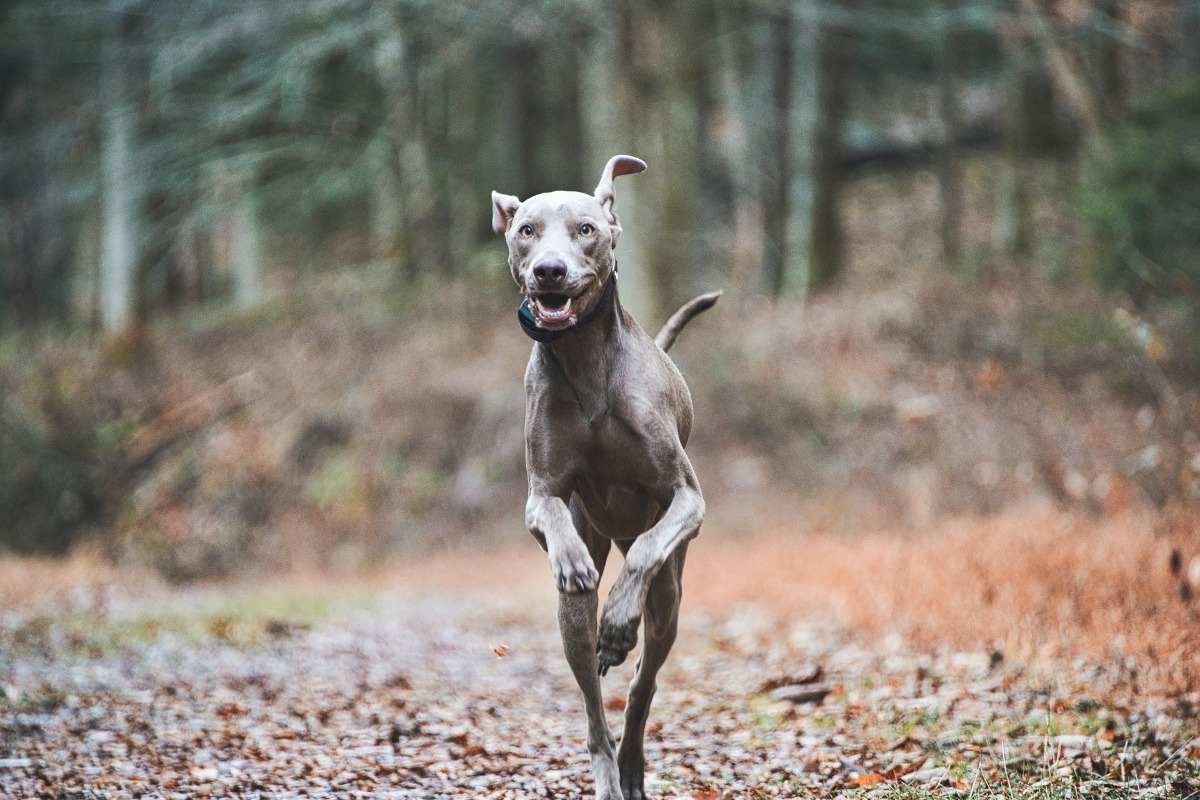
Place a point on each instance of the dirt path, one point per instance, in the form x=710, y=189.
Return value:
x=402, y=694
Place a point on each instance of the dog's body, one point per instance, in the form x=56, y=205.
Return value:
x=607, y=418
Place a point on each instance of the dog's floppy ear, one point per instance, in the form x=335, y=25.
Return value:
x=504, y=206
x=606, y=193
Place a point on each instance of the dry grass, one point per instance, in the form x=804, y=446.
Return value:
x=1037, y=585
x=1033, y=585
x=37, y=586
x=1028, y=583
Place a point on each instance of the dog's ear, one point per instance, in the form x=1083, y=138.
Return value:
x=606, y=192
x=504, y=206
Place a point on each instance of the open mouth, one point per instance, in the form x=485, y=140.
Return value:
x=553, y=309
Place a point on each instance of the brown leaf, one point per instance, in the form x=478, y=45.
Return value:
x=397, y=681
x=810, y=674
x=500, y=650
x=900, y=770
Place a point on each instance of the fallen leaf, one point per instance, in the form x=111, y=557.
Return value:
x=397, y=681
x=500, y=650
x=900, y=770
x=810, y=674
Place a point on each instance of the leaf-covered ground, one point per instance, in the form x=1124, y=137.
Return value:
x=377, y=691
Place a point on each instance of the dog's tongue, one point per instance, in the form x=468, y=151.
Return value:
x=553, y=314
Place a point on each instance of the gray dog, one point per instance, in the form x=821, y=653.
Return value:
x=607, y=417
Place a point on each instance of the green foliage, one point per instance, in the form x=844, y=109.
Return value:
x=1072, y=331
x=906, y=38
x=1142, y=201
x=60, y=463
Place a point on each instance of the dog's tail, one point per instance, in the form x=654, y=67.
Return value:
x=666, y=336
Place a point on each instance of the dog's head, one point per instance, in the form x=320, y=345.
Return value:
x=560, y=245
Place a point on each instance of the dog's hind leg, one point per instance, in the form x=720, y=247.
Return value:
x=662, y=620
x=577, y=624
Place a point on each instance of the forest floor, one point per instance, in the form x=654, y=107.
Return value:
x=445, y=679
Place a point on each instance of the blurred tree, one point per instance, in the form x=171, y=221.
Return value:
x=159, y=153
x=1060, y=69
x=667, y=71
x=246, y=245
x=948, y=173
x=1038, y=79
x=1108, y=24
x=1011, y=224
x=1142, y=200
x=48, y=82
x=121, y=181
x=778, y=169
x=808, y=50
x=826, y=248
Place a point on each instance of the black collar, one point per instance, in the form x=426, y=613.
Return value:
x=545, y=335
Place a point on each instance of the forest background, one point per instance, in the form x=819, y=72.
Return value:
x=253, y=318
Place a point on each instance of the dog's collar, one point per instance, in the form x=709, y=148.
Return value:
x=545, y=335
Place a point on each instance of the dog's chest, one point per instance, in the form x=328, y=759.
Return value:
x=619, y=508
x=614, y=480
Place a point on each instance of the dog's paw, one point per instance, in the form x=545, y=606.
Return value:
x=574, y=570
x=632, y=788
x=615, y=643
x=618, y=632
x=633, y=770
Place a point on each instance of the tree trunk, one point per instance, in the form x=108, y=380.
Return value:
x=387, y=198
x=641, y=120
x=387, y=219
x=614, y=126
x=826, y=248
x=523, y=57
x=1108, y=57
x=120, y=184
x=777, y=175
x=1011, y=231
x=571, y=125
x=946, y=163
x=1063, y=73
x=246, y=248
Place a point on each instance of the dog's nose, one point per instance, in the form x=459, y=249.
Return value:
x=550, y=274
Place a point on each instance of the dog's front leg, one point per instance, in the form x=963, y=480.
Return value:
x=645, y=557
x=577, y=623
x=549, y=520
x=575, y=573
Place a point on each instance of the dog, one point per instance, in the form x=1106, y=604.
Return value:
x=607, y=417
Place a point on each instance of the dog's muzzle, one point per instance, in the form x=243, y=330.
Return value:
x=530, y=317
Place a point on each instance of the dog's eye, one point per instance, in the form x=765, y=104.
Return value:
x=587, y=229
x=526, y=230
